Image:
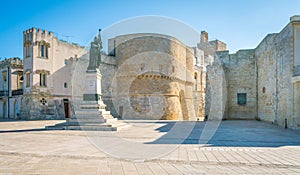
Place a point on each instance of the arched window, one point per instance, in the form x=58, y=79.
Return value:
x=43, y=49
x=43, y=77
x=20, y=81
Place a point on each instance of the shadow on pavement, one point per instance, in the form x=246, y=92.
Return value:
x=24, y=130
x=229, y=133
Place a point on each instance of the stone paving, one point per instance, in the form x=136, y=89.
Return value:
x=236, y=147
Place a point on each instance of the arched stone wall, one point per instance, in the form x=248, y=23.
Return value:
x=153, y=66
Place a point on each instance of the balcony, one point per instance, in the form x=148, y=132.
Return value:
x=3, y=93
x=17, y=92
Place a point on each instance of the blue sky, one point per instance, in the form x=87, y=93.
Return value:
x=241, y=24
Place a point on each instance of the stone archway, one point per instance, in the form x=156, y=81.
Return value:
x=184, y=110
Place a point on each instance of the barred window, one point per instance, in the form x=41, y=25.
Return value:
x=242, y=98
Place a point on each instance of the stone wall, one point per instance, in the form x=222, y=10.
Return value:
x=275, y=70
x=216, y=92
x=264, y=77
x=240, y=73
x=199, y=92
x=153, y=68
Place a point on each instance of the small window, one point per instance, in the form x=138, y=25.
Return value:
x=27, y=79
x=65, y=85
x=42, y=50
x=20, y=81
x=27, y=47
x=195, y=81
x=242, y=98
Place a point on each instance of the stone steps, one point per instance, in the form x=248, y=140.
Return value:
x=88, y=126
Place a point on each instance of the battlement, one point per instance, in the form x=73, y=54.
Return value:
x=13, y=62
x=39, y=31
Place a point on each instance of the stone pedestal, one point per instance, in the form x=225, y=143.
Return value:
x=91, y=115
x=92, y=105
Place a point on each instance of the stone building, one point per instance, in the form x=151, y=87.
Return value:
x=11, y=87
x=48, y=64
x=153, y=76
x=263, y=83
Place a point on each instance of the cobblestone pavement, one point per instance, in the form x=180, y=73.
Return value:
x=237, y=147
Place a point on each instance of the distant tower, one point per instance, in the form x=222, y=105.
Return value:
x=204, y=37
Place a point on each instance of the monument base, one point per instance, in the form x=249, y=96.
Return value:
x=91, y=115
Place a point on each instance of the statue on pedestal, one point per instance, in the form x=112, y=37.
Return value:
x=95, y=53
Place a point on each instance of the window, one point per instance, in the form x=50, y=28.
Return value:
x=242, y=98
x=43, y=78
x=27, y=45
x=27, y=80
x=43, y=49
x=195, y=81
x=65, y=85
x=43, y=101
x=4, y=77
x=26, y=51
x=20, y=81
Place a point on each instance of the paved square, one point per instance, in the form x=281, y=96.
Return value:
x=237, y=147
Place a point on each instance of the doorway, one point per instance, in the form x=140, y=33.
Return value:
x=67, y=108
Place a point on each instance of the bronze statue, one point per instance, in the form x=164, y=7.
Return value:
x=95, y=52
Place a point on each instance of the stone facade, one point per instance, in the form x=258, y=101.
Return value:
x=48, y=64
x=266, y=78
x=11, y=87
x=154, y=76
